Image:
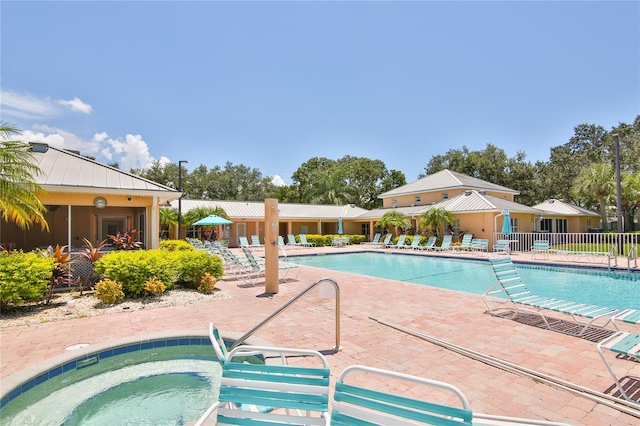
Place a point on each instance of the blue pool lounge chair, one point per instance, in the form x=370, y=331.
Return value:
x=511, y=285
x=399, y=243
x=429, y=245
x=376, y=239
x=243, y=242
x=355, y=403
x=502, y=246
x=628, y=316
x=386, y=241
x=621, y=343
x=257, y=268
x=445, y=245
x=304, y=242
x=295, y=395
x=540, y=248
x=415, y=243
x=291, y=241
x=465, y=244
x=255, y=241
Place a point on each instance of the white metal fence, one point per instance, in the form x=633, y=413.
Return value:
x=592, y=242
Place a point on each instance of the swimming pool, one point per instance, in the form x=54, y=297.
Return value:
x=619, y=290
x=160, y=382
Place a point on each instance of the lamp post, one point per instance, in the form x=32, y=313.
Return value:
x=619, y=198
x=180, y=199
x=618, y=186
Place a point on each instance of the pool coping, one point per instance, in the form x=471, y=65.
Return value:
x=516, y=260
x=12, y=384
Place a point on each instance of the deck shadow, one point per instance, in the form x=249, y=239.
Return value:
x=592, y=333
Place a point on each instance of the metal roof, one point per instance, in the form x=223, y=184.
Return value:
x=468, y=202
x=559, y=207
x=255, y=209
x=474, y=201
x=444, y=180
x=64, y=171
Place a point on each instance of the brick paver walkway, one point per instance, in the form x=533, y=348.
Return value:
x=454, y=317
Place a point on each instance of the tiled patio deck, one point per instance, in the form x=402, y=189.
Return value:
x=454, y=317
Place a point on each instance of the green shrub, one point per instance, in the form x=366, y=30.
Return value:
x=109, y=292
x=193, y=265
x=175, y=245
x=320, y=240
x=24, y=277
x=133, y=269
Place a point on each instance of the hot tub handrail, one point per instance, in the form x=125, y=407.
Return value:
x=289, y=303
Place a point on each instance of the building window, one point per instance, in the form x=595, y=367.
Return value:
x=394, y=202
x=445, y=195
x=561, y=226
x=365, y=229
x=456, y=227
x=515, y=224
x=545, y=225
x=416, y=199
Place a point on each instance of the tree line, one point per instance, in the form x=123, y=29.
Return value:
x=581, y=171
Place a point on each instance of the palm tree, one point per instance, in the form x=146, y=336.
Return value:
x=394, y=219
x=596, y=180
x=435, y=218
x=168, y=218
x=18, y=201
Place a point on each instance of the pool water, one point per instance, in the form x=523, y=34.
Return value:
x=158, y=386
x=618, y=290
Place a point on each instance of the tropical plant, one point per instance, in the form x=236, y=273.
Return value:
x=62, y=263
x=18, y=201
x=92, y=255
x=126, y=240
x=435, y=219
x=394, y=219
x=207, y=283
x=109, y=292
x=154, y=286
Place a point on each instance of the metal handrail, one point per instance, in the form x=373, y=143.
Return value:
x=633, y=254
x=289, y=303
x=612, y=253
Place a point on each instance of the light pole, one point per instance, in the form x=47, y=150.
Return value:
x=180, y=199
x=619, y=198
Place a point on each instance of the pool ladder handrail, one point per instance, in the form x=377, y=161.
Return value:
x=633, y=255
x=289, y=303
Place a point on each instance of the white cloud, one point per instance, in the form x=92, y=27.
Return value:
x=130, y=152
x=76, y=105
x=61, y=139
x=28, y=107
x=277, y=181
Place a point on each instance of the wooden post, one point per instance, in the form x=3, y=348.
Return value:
x=271, y=230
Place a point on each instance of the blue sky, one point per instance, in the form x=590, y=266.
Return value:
x=273, y=84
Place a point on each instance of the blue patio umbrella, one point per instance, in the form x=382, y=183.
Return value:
x=212, y=220
x=506, y=223
x=340, y=226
